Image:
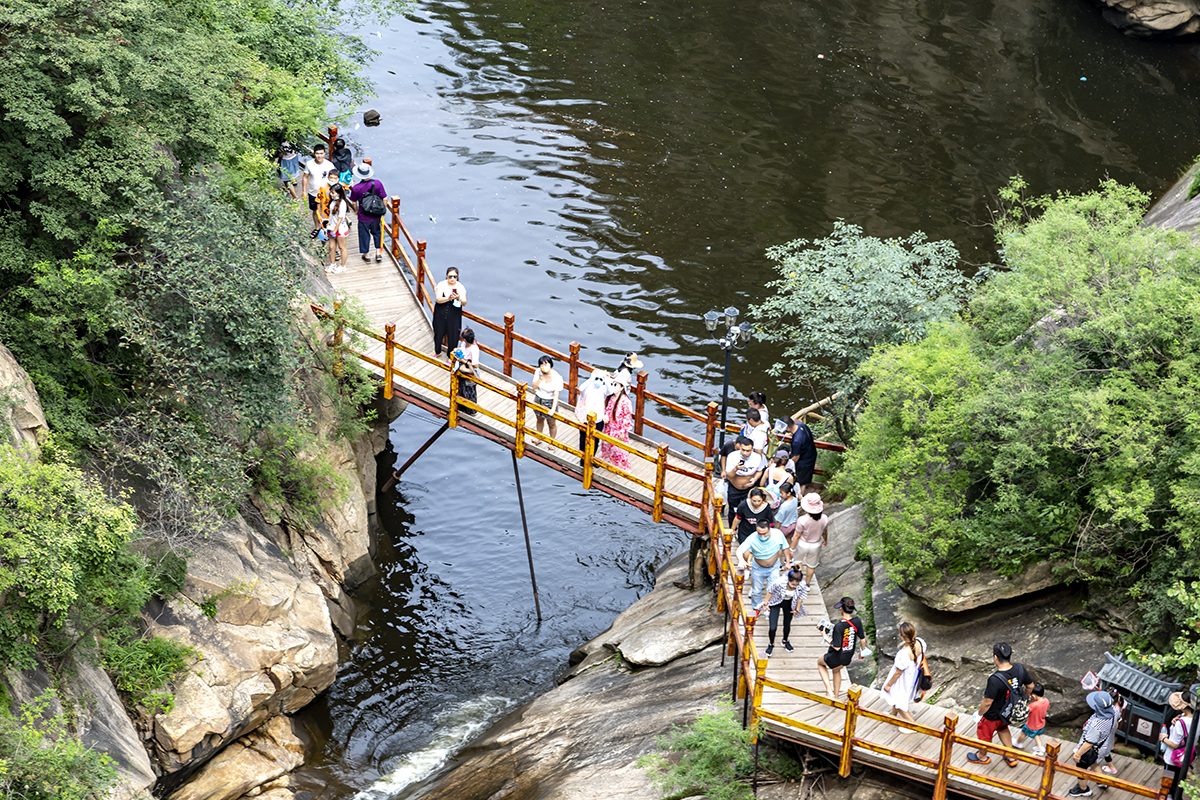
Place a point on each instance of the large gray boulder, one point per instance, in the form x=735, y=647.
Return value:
x=267, y=649
x=662, y=626
x=1154, y=19
x=982, y=588
x=253, y=761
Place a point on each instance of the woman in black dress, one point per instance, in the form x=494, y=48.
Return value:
x=450, y=297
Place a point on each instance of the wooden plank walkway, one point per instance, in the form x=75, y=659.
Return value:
x=388, y=297
x=798, y=669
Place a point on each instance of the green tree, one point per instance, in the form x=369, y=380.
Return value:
x=840, y=297
x=1071, y=433
x=63, y=549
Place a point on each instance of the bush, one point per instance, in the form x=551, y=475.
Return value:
x=40, y=760
x=64, y=557
x=716, y=758
x=142, y=668
x=1058, y=420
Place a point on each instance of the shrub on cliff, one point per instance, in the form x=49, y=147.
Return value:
x=1059, y=419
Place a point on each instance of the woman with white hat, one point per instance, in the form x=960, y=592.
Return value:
x=812, y=533
x=1174, y=737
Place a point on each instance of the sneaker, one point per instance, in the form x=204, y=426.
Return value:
x=770, y=649
x=1021, y=745
x=788, y=646
x=330, y=268
x=366, y=257
x=335, y=270
x=1079, y=791
x=378, y=257
x=1109, y=768
x=1039, y=751
x=979, y=758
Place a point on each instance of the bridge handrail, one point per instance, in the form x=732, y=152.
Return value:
x=520, y=431
x=752, y=681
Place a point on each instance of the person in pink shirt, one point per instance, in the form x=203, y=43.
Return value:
x=1034, y=728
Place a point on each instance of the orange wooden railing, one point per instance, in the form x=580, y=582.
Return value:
x=752, y=680
x=520, y=430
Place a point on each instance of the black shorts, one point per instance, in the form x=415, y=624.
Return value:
x=837, y=658
x=312, y=202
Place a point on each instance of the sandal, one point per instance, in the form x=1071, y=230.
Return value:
x=977, y=758
x=1012, y=762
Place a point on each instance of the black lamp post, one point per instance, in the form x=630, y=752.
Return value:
x=737, y=337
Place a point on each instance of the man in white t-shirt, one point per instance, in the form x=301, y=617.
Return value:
x=756, y=431
x=315, y=175
x=547, y=384
x=743, y=468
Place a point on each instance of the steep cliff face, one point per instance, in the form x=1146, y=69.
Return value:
x=263, y=602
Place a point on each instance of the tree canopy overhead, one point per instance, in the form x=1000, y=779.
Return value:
x=1057, y=419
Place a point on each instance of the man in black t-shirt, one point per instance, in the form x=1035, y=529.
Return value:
x=1003, y=685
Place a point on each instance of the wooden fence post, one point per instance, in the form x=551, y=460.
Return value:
x=705, y=490
x=710, y=431
x=421, y=267
x=508, y=345
x=395, y=225
x=760, y=672
x=452, y=416
x=848, y=731
x=332, y=139
x=519, y=434
x=389, y=359
x=943, y=767
x=1049, y=762
x=639, y=394
x=660, y=481
x=589, y=447
x=1164, y=788
x=723, y=576
x=337, y=333
x=573, y=380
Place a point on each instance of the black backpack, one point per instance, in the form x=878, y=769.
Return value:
x=1016, y=707
x=372, y=204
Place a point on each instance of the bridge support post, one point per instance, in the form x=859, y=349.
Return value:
x=528, y=548
x=848, y=731
x=660, y=481
x=508, y=344
x=1049, y=762
x=519, y=429
x=943, y=768
x=387, y=487
x=389, y=359
x=421, y=297
x=589, y=450
x=452, y=415
x=395, y=225
x=639, y=409
x=710, y=432
x=573, y=380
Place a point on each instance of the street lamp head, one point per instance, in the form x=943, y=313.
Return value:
x=711, y=319
x=746, y=331
x=731, y=315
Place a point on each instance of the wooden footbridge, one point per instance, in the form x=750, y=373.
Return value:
x=673, y=482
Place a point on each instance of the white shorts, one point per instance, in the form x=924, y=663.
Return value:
x=808, y=554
